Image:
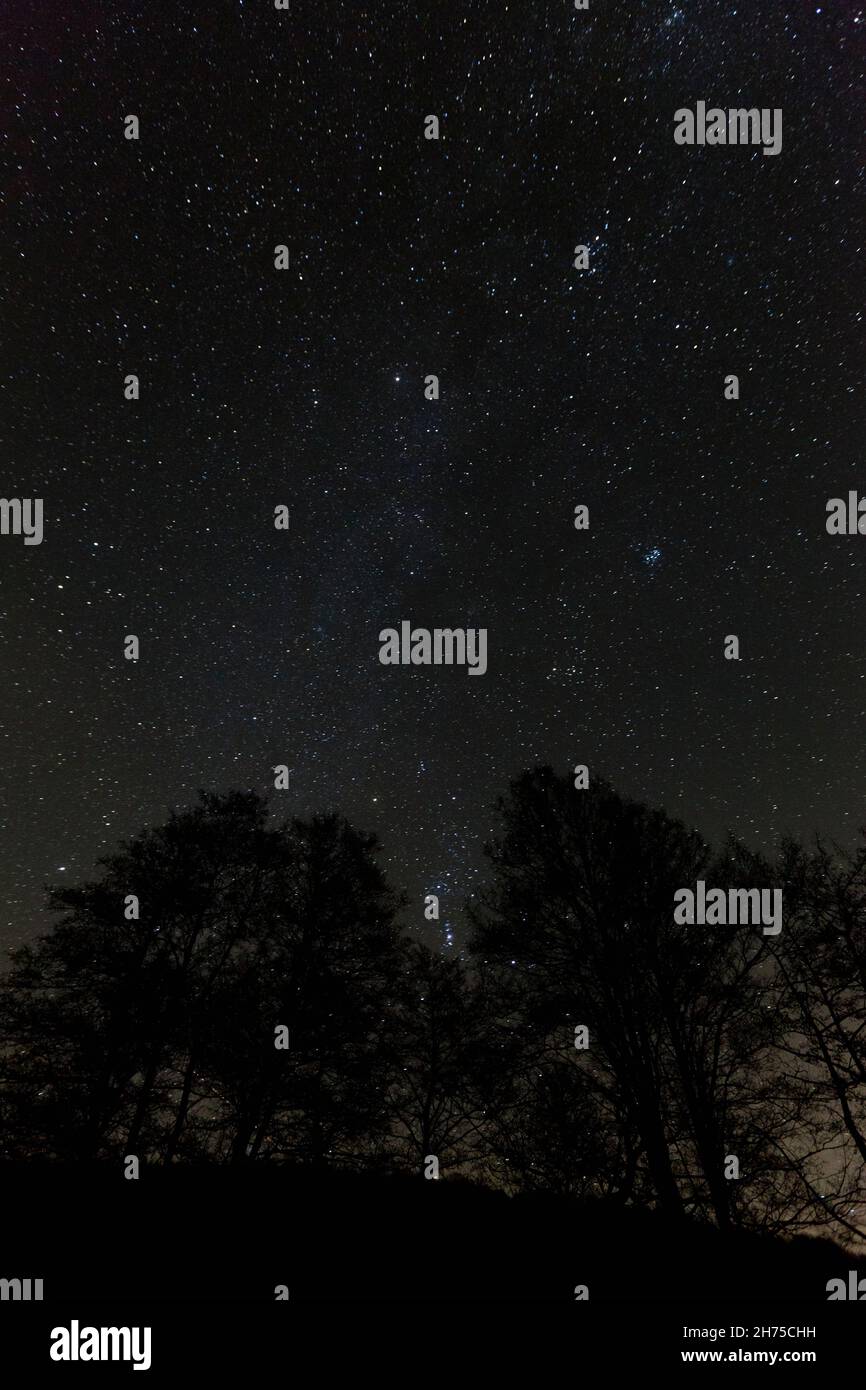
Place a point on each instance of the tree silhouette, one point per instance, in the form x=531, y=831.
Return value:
x=821, y=999
x=150, y=1035
x=438, y=1052
x=580, y=915
x=232, y=990
x=326, y=969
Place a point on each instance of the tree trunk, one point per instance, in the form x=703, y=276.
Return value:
x=182, y=1109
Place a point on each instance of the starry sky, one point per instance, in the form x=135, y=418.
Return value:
x=305, y=388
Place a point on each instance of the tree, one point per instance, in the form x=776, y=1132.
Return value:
x=438, y=1044
x=151, y=1034
x=580, y=914
x=325, y=969
x=821, y=999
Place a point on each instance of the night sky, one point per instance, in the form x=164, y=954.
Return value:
x=305, y=387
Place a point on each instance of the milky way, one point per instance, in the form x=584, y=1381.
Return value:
x=305, y=388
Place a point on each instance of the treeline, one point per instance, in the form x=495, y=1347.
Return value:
x=234, y=991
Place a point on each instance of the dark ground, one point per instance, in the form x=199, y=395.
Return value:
x=226, y=1234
